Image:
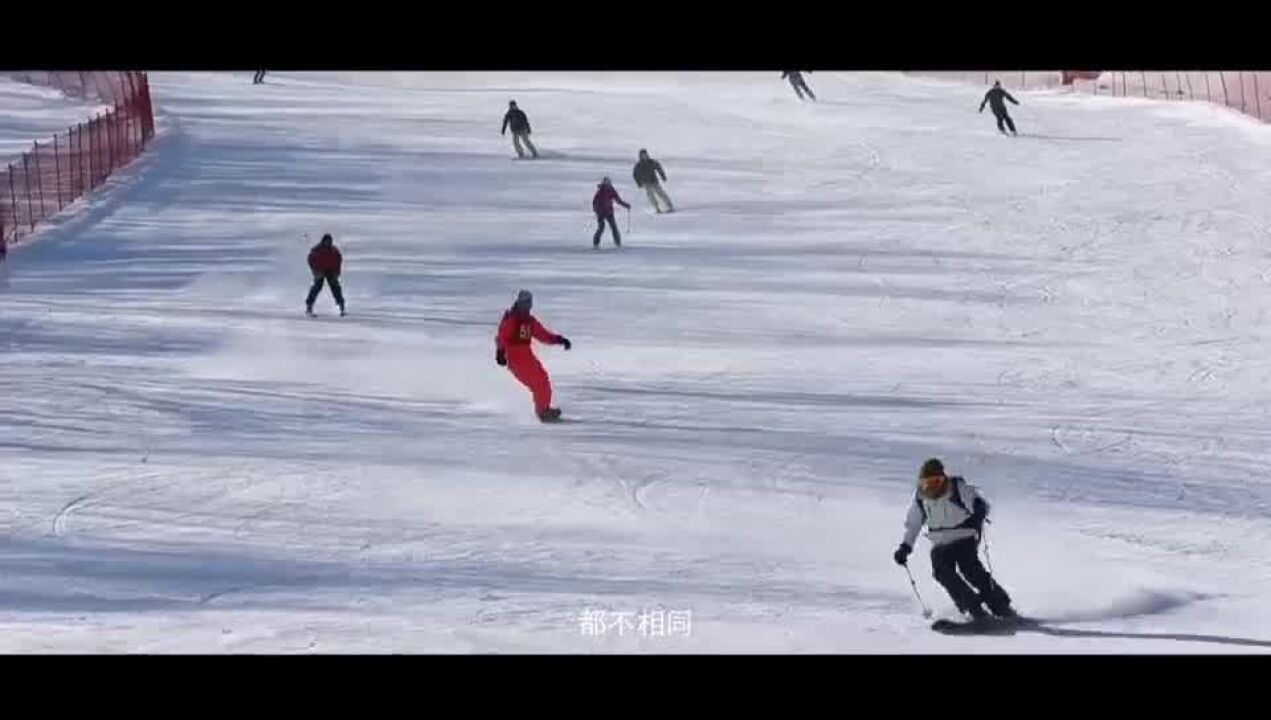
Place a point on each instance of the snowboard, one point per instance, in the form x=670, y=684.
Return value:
x=987, y=626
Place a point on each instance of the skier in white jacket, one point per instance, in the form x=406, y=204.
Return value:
x=954, y=514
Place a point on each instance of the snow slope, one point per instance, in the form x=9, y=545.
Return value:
x=32, y=112
x=1075, y=320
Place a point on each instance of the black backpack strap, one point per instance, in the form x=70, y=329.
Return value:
x=956, y=495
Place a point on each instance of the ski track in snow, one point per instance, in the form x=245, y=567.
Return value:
x=1075, y=320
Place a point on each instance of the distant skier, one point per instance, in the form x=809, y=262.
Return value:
x=260, y=77
x=796, y=81
x=513, y=351
x=602, y=203
x=646, y=174
x=941, y=503
x=994, y=97
x=325, y=260
x=515, y=117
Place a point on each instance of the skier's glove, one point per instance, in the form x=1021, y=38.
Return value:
x=565, y=341
x=902, y=554
x=500, y=358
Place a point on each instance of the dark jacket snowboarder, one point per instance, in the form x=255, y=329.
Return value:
x=996, y=98
x=325, y=262
x=796, y=81
x=520, y=124
x=954, y=513
x=646, y=174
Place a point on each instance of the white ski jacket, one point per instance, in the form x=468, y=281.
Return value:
x=943, y=515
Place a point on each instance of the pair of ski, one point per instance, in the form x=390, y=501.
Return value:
x=985, y=626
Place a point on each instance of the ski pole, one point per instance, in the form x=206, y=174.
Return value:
x=926, y=611
x=628, y=221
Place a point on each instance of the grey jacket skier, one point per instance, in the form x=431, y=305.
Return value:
x=954, y=513
x=994, y=99
x=646, y=174
x=516, y=117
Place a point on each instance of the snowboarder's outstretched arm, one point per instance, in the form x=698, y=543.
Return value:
x=507, y=117
x=1008, y=97
x=543, y=335
x=658, y=166
x=985, y=101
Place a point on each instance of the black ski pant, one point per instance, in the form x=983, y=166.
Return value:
x=962, y=556
x=600, y=229
x=1004, y=119
x=260, y=77
x=336, y=291
x=799, y=84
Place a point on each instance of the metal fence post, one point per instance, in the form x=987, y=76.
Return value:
x=1208, y=94
x=79, y=159
x=13, y=201
x=1256, y=95
x=1223, y=77
x=1241, y=76
x=39, y=178
x=110, y=147
x=57, y=167
x=26, y=178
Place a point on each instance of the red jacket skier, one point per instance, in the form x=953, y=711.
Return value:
x=513, y=350
x=602, y=204
x=325, y=262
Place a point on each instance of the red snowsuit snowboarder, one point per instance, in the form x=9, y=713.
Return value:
x=513, y=350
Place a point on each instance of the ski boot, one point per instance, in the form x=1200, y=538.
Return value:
x=977, y=613
x=549, y=415
x=309, y=310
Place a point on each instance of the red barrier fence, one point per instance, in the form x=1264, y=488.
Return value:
x=56, y=172
x=1248, y=91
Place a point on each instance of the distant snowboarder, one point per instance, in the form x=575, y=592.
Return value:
x=646, y=174
x=259, y=78
x=513, y=350
x=516, y=118
x=994, y=98
x=602, y=204
x=796, y=81
x=325, y=260
x=941, y=503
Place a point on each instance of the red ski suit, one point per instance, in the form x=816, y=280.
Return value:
x=515, y=333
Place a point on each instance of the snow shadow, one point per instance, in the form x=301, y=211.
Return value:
x=1069, y=138
x=54, y=576
x=1176, y=637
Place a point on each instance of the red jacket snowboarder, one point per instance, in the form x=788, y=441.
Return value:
x=513, y=350
x=325, y=261
x=602, y=204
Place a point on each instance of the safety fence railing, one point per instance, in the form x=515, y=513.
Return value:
x=60, y=170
